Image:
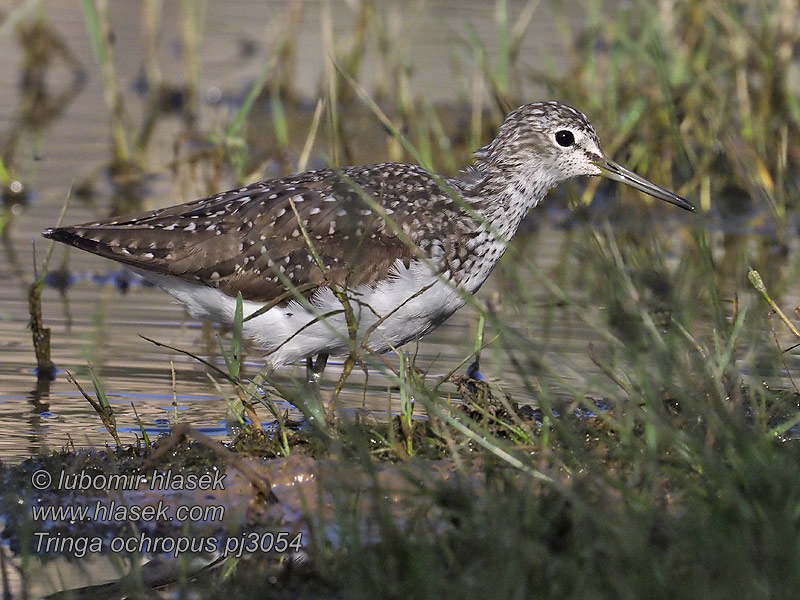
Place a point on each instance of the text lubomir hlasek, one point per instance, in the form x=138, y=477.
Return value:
x=158, y=480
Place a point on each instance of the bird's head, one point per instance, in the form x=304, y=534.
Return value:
x=545, y=143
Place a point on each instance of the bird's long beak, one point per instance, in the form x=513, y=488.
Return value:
x=612, y=170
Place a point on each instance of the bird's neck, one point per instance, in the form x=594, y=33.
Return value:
x=502, y=196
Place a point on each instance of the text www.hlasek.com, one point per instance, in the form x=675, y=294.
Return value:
x=100, y=511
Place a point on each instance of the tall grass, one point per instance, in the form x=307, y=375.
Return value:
x=695, y=92
x=670, y=468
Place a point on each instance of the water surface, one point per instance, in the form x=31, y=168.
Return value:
x=58, y=138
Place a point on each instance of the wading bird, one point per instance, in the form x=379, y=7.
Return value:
x=368, y=256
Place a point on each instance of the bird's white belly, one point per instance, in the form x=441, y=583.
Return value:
x=403, y=307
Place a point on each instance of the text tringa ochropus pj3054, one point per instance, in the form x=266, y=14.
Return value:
x=404, y=246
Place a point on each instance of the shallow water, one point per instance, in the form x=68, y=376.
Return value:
x=99, y=316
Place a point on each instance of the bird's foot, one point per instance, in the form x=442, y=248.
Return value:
x=474, y=372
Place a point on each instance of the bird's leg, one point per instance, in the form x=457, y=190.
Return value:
x=314, y=371
x=366, y=383
x=309, y=369
x=315, y=368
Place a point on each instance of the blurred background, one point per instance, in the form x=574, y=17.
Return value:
x=110, y=108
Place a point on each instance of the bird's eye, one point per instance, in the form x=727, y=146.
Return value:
x=565, y=138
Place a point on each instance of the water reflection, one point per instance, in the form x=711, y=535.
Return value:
x=574, y=277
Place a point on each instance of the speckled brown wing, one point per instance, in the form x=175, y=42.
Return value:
x=249, y=240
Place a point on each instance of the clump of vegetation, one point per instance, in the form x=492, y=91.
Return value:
x=696, y=94
x=663, y=465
